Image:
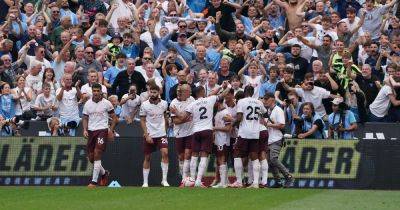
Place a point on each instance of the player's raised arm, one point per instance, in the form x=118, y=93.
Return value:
x=226, y=87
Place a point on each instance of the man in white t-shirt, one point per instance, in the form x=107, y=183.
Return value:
x=380, y=107
x=124, y=9
x=96, y=113
x=310, y=93
x=39, y=57
x=324, y=29
x=253, y=79
x=183, y=129
x=306, y=51
x=34, y=80
x=86, y=89
x=201, y=112
x=67, y=97
x=153, y=120
x=130, y=103
x=150, y=74
x=141, y=69
x=249, y=112
x=352, y=21
x=275, y=123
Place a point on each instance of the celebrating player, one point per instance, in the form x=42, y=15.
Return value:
x=96, y=114
x=201, y=111
x=222, y=130
x=249, y=111
x=153, y=121
x=182, y=129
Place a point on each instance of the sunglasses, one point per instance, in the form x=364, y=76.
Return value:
x=173, y=15
x=182, y=26
x=90, y=52
x=147, y=59
x=56, y=11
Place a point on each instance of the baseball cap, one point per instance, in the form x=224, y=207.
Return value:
x=117, y=36
x=337, y=101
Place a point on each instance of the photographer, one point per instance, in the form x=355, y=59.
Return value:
x=311, y=124
x=342, y=122
x=8, y=119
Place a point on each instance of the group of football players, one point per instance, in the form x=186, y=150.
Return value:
x=229, y=124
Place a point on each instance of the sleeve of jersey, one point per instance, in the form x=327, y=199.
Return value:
x=213, y=99
x=299, y=91
x=85, y=111
x=110, y=107
x=142, y=111
x=263, y=109
x=172, y=105
x=165, y=106
x=189, y=108
x=239, y=106
x=104, y=89
x=325, y=93
x=280, y=117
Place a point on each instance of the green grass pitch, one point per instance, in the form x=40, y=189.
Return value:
x=190, y=198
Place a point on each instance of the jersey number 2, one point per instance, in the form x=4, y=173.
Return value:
x=253, y=113
x=203, y=111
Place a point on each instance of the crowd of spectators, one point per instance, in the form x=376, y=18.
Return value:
x=330, y=63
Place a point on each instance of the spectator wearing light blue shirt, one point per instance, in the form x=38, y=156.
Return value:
x=275, y=18
x=170, y=74
x=111, y=73
x=270, y=85
x=213, y=53
x=182, y=47
x=65, y=11
x=197, y=6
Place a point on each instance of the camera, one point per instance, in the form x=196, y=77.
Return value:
x=288, y=101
